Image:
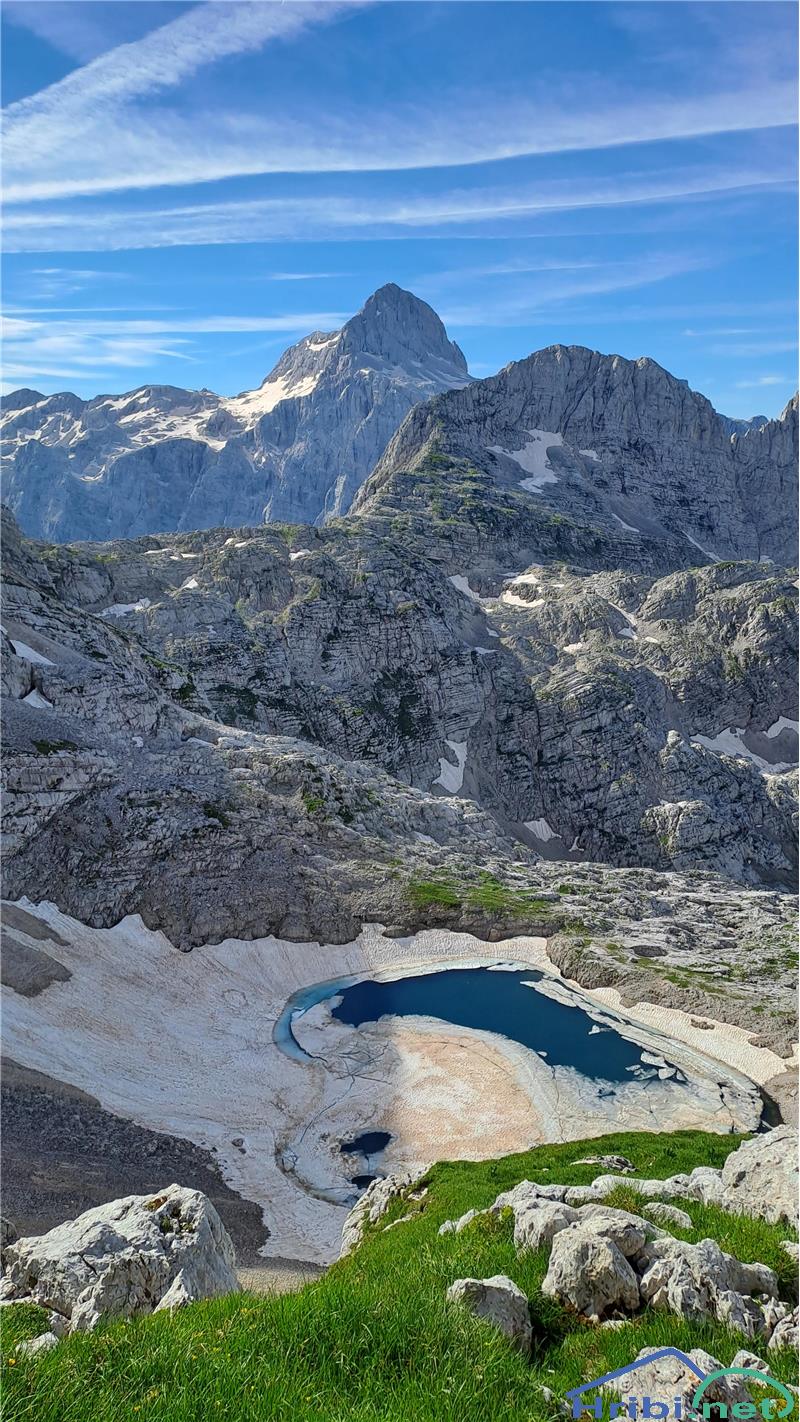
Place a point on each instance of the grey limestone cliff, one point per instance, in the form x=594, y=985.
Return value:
x=617, y=448
x=297, y=447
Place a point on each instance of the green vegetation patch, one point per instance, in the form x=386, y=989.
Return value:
x=488, y=893
x=374, y=1339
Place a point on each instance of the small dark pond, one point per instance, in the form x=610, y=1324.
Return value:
x=366, y=1144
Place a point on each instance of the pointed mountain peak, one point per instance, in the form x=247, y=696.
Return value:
x=398, y=327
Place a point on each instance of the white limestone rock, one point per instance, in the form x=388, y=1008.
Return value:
x=785, y=1332
x=456, y=1226
x=590, y=1274
x=761, y=1177
x=33, y=1347
x=526, y=1193
x=700, y=1281
x=628, y=1231
x=500, y=1303
x=123, y=1258
x=373, y=1204
x=540, y=1222
x=668, y=1215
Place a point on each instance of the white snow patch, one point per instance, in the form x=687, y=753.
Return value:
x=590, y=454
x=782, y=724
x=35, y=698
x=541, y=829
x=252, y=404
x=190, y=585
x=514, y=601
x=707, y=551
x=300, y=553
x=533, y=459
x=627, y=632
x=631, y=528
x=729, y=742
x=485, y=651
x=30, y=654
x=574, y=845
x=462, y=585
x=574, y=647
x=118, y=609
x=452, y=776
x=490, y=633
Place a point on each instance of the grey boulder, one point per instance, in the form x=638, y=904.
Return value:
x=700, y=1281
x=373, y=1205
x=761, y=1177
x=590, y=1274
x=125, y=1258
x=499, y=1302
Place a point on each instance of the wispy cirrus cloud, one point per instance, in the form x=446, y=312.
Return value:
x=115, y=153
x=78, y=346
x=84, y=30
x=92, y=118
x=335, y=215
x=119, y=122
x=763, y=382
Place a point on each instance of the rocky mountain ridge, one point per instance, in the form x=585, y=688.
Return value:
x=296, y=447
x=618, y=449
x=631, y=467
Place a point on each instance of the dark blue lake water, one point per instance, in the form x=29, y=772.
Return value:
x=493, y=1001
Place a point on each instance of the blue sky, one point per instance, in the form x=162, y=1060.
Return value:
x=190, y=187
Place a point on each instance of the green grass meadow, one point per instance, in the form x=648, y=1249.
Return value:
x=373, y=1339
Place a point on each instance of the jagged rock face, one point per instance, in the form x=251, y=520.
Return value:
x=297, y=447
x=603, y=717
x=614, y=445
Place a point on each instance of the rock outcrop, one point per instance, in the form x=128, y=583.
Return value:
x=132, y=1256
x=761, y=1177
x=590, y=1272
x=498, y=1302
x=379, y=1195
x=607, y=1263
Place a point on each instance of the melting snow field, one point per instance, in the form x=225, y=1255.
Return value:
x=190, y=1044
x=731, y=742
x=452, y=776
x=119, y=609
x=461, y=584
x=533, y=459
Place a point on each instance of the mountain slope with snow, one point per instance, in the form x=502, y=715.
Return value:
x=295, y=448
x=617, y=452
